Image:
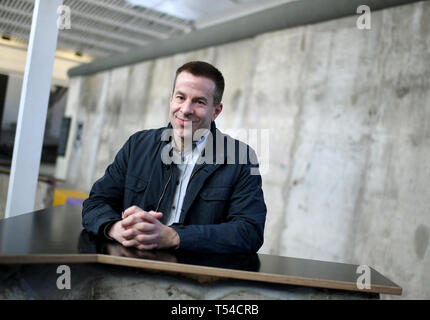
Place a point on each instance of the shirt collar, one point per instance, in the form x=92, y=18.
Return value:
x=199, y=144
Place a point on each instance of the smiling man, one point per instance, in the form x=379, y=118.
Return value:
x=181, y=187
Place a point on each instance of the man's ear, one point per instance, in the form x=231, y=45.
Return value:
x=218, y=110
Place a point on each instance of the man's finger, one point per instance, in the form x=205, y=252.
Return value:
x=145, y=227
x=127, y=222
x=139, y=217
x=138, y=228
x=156, y=215
x=131, y=210
x=130, y=243
x=129, y=234
x=144, y=216
x=135, y=209
x=136, y=218
x=134, y=243
x=146, y=238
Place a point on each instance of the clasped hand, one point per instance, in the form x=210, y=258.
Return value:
x=143, y=230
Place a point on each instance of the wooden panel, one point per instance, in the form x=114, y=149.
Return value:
x=56, y=235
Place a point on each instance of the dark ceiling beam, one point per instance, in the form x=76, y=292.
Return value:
x=284, y=16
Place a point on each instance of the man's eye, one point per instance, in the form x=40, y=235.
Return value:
x=179, y=98
x=201, y=102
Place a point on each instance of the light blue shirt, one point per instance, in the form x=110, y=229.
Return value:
x=185, y=168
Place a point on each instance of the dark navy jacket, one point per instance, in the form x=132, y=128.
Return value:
x=223, y=209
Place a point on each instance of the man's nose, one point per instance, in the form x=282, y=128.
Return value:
x=187, y=107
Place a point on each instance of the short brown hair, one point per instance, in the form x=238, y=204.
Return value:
x=204, y=69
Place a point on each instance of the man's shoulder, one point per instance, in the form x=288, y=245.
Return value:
x=237, y=151
x=147, y=136
x=229, y=139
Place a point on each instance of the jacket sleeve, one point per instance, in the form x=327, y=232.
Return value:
x=242, y=232
x=104, y=203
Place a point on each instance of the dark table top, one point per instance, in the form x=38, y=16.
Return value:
x=56, y=235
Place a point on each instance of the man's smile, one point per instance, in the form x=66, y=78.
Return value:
x=184, y=122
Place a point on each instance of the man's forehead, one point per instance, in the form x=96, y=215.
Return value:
x=188, y=79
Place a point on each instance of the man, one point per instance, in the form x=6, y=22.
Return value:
x=160, y=194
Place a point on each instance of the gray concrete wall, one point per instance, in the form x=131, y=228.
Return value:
x=349, y=118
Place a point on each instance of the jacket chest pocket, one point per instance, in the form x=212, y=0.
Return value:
x=134, y=189
x=213, y=203
x=215, y=194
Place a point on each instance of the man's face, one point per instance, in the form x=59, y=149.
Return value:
x=192, y=104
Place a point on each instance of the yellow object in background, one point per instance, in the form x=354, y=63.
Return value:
x=61, y=196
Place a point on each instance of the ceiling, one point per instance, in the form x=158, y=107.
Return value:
x=104, y=27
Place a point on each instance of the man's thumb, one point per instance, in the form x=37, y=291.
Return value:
x=156, y=215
